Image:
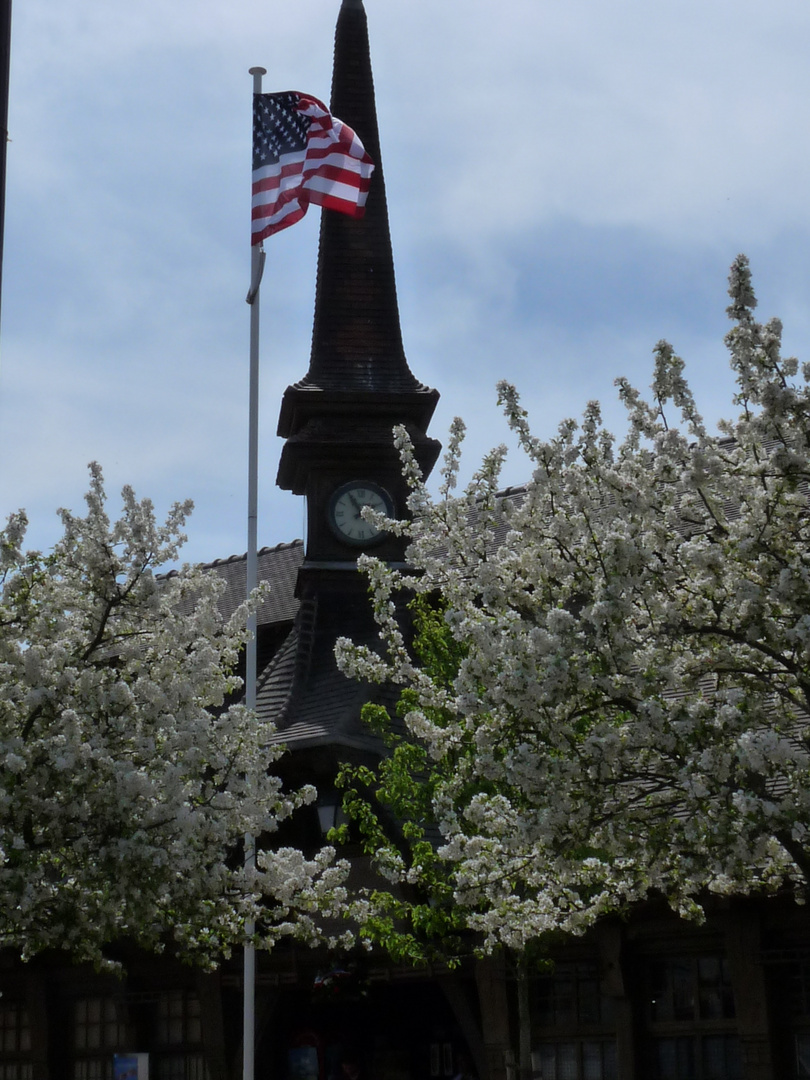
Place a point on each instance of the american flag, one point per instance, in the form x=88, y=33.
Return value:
x=303, y=155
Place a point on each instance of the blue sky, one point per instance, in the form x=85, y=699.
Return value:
x=568, y=181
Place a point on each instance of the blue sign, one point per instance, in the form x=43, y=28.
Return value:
x=131, y=1067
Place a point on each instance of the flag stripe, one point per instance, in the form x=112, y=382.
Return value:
x=302, y=155
x=273, y=178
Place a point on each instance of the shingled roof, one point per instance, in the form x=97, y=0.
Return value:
x=299, y=688
x=313, y=704
x=277, y=566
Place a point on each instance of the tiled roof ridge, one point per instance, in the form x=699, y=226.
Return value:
x=230, y=559
x=282, y=546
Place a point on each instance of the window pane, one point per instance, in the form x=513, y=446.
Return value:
x=683, y=997
x=674, y=1059
x=567, y=1062
x=721, y=1058
x=17, y=1070
x=709, y=969
x=588, y=1001
x=544, y=1061
x=587, y=1060
x=180, y=1067
x=672, y=990
x=545, y=1003
x=716, y=999
x=564, y=1012
x=611, y=1072
x=195, y=1068
x=92, y=1069
x=714, y=1058
x=571, y=995
x=96, y=1024
x=591, y=1061
x=666, y=1062
x=179, y=1019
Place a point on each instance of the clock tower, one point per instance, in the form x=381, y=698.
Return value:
x=338, y=419
x=339, y=453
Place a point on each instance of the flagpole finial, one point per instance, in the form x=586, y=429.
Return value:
x=257, y=73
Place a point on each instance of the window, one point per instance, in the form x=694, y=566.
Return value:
x=179, y=1037
x=690, y=1017
x=571, y=997
x=179, y=1019
x=711, y=1057
x=691, y=989
x=97, y=1035
x=181, y=1067
x=576, y=1060
x=572, y=1025
x=15, y=1042
x=92, y=1069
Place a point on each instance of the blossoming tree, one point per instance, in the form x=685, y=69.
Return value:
x=629, y=711
x=127, y=781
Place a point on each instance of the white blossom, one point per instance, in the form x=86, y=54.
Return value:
x=630, y=715
x=128, y=782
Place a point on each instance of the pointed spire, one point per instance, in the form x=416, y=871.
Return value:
x=356, y=340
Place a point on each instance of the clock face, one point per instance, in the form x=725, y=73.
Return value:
x=345, y=511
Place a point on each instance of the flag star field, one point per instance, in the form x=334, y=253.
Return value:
x=278, y=127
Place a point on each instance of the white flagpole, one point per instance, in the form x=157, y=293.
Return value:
x=256, y=269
